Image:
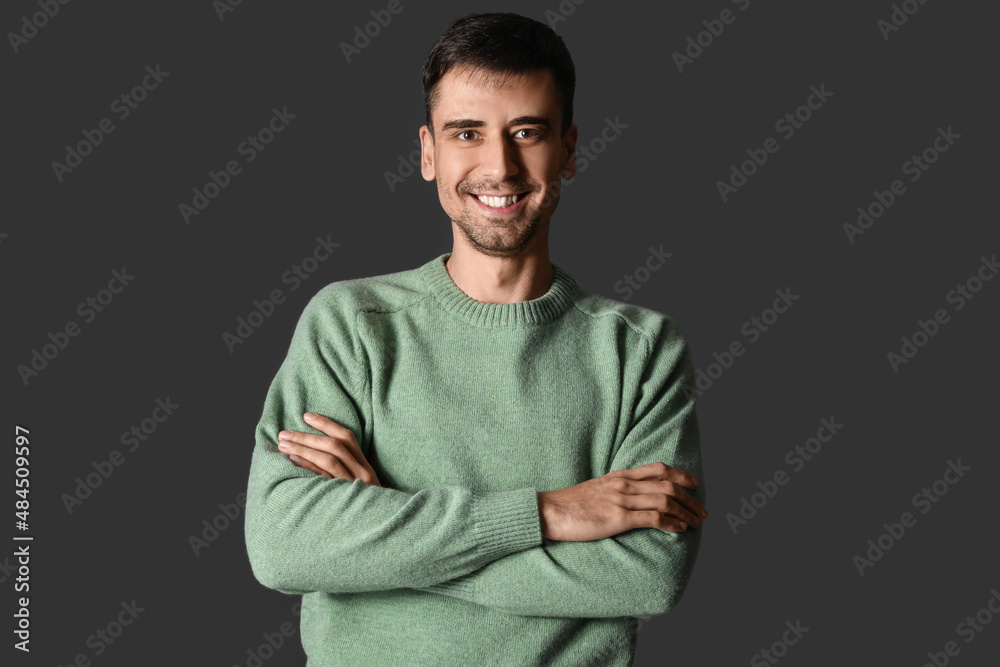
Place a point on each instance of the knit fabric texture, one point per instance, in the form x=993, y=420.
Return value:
x=466, y=410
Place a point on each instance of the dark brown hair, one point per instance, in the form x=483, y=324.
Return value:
x=501, y=44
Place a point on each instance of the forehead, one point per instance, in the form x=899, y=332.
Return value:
x=463, y=91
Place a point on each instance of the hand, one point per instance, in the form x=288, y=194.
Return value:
x=647, y=496
x=334, y=455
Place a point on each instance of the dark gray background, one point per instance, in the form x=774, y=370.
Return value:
x=655, y=184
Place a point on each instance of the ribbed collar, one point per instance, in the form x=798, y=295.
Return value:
x=545, y=308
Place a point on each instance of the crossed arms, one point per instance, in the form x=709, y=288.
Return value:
x=651, y=495
x=622, y=544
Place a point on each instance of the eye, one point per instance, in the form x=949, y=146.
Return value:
x=528, y=129
x=461, y=135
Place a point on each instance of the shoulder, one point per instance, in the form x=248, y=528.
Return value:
x=653, y=328
x=346, y=299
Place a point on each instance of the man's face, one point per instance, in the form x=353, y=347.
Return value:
x=499, y=142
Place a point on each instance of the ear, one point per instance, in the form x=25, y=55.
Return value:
x=426, y=154
x=569, y=148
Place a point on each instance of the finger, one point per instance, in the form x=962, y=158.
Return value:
x=309, y=439
x=333, y=447
x=327, y=426
x=682, y=496
x=682, y=477
x=307, y=465
x=677, y=476
x=323, y=443
x=324, y=462
x=654, y=519
x=675, y=491
x=664, y=504
x=659, y=470
x=336, y=441
x=347, y=439
x=639, y=472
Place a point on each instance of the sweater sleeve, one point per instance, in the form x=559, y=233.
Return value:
x=306, y=532
x=640, y=573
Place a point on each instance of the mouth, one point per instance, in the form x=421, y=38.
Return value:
x=500, y=203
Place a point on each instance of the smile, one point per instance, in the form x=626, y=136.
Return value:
x=500, y=204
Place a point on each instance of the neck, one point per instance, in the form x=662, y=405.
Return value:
x=490, y=279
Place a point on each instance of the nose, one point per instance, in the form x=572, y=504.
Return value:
x=499, y=158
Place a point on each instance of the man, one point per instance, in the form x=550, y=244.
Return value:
x=495, y=460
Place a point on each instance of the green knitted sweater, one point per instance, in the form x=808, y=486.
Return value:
x=466, y=410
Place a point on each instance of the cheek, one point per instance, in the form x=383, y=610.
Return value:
x=461, y=168
x=450, y=173
x=447, y=189
x=546, y=168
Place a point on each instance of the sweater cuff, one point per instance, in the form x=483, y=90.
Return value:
x=506, y=522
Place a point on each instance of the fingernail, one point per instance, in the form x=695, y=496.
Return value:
x=282, y=444
x=309, y=416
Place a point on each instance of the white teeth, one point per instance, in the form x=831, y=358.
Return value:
x=498, y=202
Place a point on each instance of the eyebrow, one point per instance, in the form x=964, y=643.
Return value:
x=466, y=123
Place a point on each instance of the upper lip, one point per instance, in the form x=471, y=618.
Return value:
x=501, y=194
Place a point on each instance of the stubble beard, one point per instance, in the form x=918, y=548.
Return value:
x=499, y=236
